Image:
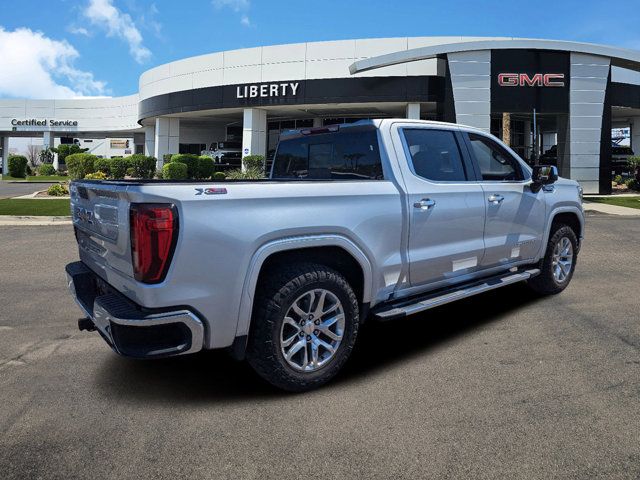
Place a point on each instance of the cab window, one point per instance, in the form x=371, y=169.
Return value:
x=496, y=163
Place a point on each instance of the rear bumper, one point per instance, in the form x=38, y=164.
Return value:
x=129, y=329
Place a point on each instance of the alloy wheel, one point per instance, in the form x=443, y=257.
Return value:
x=312, y=330
x=562, y=260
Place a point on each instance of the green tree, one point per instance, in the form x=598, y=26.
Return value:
x=65, y=150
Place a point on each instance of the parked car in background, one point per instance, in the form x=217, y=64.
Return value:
x=620, y=155
x=550, y=157
x=370, y=221
x=227, y=152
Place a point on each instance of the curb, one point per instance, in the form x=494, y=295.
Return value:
x=34, y=196
x=14, y=220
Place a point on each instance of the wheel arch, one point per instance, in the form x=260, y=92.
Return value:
x=571, y=216
x=331, y=250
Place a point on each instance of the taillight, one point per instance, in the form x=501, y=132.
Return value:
x=154, y=232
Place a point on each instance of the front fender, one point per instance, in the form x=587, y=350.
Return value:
x=555, y=212
x=294, y=243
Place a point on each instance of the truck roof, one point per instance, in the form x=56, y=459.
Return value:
x=370, y=123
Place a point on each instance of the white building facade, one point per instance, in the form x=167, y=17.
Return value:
x=551, y=101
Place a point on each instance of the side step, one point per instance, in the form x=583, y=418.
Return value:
x=405, y=307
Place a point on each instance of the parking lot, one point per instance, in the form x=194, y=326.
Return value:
x=15, y=189
x=504, y=385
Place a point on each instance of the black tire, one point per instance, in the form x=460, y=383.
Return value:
x=275, y=296
x=546, y=283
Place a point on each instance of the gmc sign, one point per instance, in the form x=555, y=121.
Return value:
x=536, y=80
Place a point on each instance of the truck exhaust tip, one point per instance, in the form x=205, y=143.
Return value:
x=86, y=324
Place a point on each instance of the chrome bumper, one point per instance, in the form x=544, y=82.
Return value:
x=129, y=329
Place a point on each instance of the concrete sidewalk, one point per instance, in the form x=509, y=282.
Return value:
x=610, y=209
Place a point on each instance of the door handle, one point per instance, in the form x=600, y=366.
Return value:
x=495, y=199
x=425, y=204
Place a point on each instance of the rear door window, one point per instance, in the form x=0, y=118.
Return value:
x=345, y=155
x=435, y=154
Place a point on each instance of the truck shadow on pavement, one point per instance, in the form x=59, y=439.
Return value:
x=213, y=376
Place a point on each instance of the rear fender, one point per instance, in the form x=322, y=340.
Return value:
x=295, y=243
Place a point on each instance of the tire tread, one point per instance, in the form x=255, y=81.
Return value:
x=263, y=354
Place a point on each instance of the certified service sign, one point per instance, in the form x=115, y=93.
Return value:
x=34, y=122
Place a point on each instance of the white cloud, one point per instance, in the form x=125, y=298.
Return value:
x=235, y=5
x=78, y=30
x=104, y=15
x=238, y=6
x=35, y=66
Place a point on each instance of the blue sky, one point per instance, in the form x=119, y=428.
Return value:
x=65, y=48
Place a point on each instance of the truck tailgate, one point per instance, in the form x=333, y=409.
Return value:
x=100, y=215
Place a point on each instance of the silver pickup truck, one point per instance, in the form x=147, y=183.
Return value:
x=371, y=221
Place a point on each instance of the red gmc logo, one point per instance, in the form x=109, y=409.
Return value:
x=537, y=80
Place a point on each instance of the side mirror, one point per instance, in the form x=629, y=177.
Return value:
x=543, y=175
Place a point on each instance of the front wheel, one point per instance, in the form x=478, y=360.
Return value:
x=304, y=326
x=559, y=262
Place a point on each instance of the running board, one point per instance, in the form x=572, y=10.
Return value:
x=405, y=307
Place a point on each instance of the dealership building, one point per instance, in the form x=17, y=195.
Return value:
x=552, y=100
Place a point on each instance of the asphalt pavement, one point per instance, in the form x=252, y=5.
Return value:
x=503, y=385
x=15, y=189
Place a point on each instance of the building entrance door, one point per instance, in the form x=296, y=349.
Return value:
x=543, y=139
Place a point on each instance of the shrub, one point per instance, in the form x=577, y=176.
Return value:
x=255, y=162
x=175, y=171
x=632, y=184
x=159, y=174
x=166, y=158
x=617, y=179
x=29, y=171
x=65, y=150
x=118, y=167
x=205, y=166
x=634, y=166
x=57, y=190
x=17, y=166
x=130, y=171
x=143, y=166
x=190, y=160
x=248, y=174
x=80, y=164
x=96, y=176
x=46, y=169
x=219, y=176
x=102, y=165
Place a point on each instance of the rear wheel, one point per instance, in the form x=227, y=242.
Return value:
x=559, y=262
x=304, y=326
